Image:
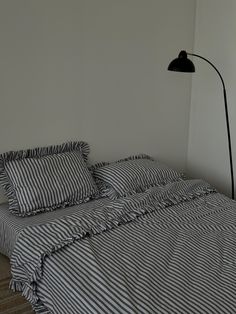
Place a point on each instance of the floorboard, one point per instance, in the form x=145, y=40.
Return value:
x=10, y=302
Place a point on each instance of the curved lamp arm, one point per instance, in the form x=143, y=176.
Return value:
x=218, y=72
x=183, y=64
x=227, y=118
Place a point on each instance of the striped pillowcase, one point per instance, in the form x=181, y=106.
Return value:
x=46, y=178
x=131, y=175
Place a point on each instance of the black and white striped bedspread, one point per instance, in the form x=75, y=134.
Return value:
x=170, y=250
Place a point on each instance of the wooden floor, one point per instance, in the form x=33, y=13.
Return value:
x=4, y=267
x=10, y=302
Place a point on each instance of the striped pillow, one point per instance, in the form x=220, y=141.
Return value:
x=43, y=179
x=131, y=175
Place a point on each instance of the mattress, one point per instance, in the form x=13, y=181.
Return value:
x=11, y=226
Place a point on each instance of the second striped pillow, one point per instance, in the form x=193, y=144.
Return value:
x=131, y=175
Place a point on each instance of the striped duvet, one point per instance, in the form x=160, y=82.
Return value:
x=169, y=250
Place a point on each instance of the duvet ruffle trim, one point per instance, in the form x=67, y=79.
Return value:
x=27, y=272
x=108, y=191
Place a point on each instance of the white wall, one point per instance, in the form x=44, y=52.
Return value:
x=208, y=146
x=95, y=70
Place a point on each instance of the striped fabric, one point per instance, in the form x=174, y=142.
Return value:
x=169, y=250
x=131, y=175
x=12, y=225
x=44, y=179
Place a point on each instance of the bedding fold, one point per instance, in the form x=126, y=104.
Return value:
x=36, y=243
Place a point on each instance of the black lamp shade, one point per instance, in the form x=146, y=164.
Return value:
x=182, y=64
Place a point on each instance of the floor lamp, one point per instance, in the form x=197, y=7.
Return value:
x=183, y=64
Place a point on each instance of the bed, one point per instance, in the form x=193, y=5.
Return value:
x=168, y=249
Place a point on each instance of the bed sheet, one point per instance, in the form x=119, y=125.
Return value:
x=11, y=226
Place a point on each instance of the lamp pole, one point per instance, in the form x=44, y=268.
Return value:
x=226, y=116
x=183, y=64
